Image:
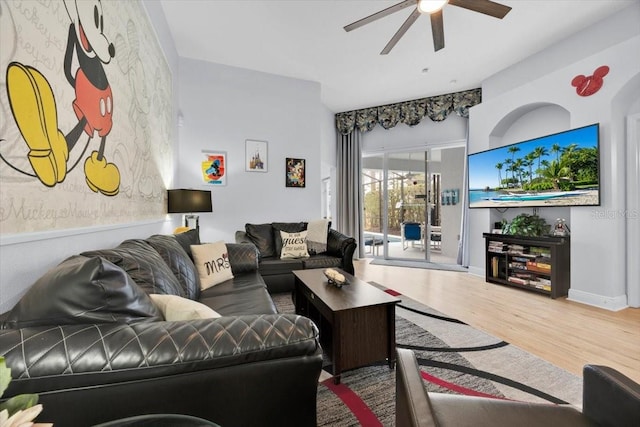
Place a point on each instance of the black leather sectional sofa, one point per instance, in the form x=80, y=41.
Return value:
x=276, y=271
x=87, y=338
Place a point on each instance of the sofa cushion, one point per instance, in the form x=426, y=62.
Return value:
x=289, y=227
x=262, y=236
x=244, y=294
x=279, y=266
x=179, y=262
x=212, y=262
x=294, y=245
x=145, y=266
x=188, y=238
x=175, y=308
x=83, y=290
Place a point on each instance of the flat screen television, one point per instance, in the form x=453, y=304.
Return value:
x=562, y=169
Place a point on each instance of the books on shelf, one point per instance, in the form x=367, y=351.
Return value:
x=528, y=280
x=538, y=266
x=494, y=266
x=544, y=252
x=540, y=283
x=546, y=282
x=515, y=249
x=518, y=280
x=497, y=247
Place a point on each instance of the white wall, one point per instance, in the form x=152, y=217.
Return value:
x=452, y=172
x=223, y=106
x=328, y=148
x=535, y=98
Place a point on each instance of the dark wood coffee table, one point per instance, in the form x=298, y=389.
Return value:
x=356, y=322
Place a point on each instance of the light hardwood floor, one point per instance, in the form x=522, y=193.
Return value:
x=565, y=333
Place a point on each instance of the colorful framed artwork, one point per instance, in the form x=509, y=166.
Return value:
x=255, y=156
x=295, y=172
x=214, y=167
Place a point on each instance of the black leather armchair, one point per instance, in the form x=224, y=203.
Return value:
x=609, y=399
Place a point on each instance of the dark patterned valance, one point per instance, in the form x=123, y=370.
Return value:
x=437, y=108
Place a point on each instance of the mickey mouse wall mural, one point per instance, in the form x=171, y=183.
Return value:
x=34, y=108
x=588, y=85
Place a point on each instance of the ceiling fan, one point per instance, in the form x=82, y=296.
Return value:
x=434, y=9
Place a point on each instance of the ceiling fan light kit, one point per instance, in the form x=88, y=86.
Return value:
x=434, y=9
x=430, y=6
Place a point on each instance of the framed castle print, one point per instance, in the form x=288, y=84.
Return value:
x=255, y=156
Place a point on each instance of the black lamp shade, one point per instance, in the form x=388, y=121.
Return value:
x=188, y=201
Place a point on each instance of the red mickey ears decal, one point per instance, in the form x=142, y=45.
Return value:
x=586, y=86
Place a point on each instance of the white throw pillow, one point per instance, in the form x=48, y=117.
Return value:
x=174, y=308
x=212, y=262
x=294, y=245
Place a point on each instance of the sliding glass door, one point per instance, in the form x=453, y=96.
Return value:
x=412, y=209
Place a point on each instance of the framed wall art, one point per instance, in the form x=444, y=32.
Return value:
x=295, y=172
x=255, y=156
x=214, y=167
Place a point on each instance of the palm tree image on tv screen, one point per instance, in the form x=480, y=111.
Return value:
x=554, y=170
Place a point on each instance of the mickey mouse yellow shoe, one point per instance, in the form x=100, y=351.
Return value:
x=102, y=176
x=34, y=109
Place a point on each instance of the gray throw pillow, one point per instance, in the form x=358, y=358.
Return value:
x=262, y=236
x=178, y=261
x=83, y=290
x=188, y=238
x=145, y=266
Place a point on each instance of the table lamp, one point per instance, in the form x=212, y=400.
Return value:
x=187, y=202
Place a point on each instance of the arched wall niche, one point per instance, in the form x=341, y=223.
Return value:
x=523, y=123
x=528, y=122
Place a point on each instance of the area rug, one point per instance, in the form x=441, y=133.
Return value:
x=453, y=358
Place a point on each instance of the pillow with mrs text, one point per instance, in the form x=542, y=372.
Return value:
x=212, y=262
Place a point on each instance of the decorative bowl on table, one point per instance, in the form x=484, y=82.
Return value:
x=335, y=278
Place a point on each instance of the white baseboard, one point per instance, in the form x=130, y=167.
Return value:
x=608, y=303
x=476, y=271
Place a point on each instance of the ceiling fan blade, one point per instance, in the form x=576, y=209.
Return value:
x=403, y=29
x=381, y=14
x=437, y=29
x=487, y=7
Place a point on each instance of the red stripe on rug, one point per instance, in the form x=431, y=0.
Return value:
x=455, y=387
x=392, y=292
x=359, y=409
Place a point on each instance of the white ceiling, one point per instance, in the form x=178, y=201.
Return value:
x=305, y=39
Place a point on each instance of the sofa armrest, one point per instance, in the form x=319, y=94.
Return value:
x=46, y=359
x=90, y=374
x=243, y=257
x=610, y=398
x=412, y=401
x=343, y=246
